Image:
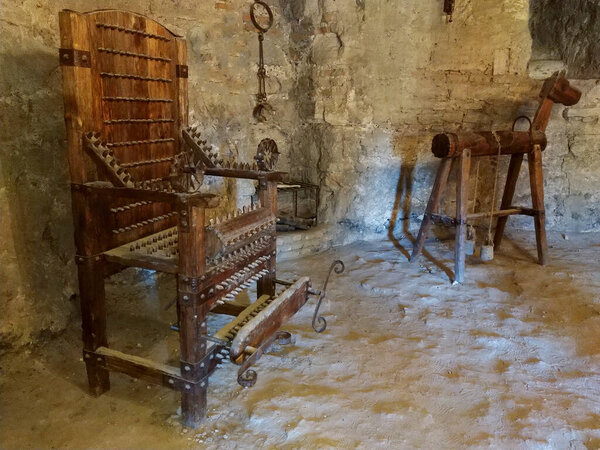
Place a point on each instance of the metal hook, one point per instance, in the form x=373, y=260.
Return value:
x=339, y=267
x=520, y=118
x=259, y=111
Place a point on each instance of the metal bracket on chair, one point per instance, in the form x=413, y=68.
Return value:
x=82, y=259
x=184, y=218
x=181, y=71
x=73, y=57
x=91, y=357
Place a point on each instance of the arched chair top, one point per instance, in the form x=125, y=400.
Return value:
x=135, y=17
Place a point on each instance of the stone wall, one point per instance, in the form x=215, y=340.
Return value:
x=359, y=88
x=384, y=77
x=568, y=32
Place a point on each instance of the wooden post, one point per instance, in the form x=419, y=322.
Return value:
x=536, y=180
x=462, y=200
x=439, y=186
x=267, y=194
x=93, y=319
x=509, y=191
x=192, y=317
x=83, y=108
x=181, y=77
x=90, y=269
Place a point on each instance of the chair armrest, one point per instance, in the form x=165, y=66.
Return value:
x=243, y=173
x=193, y=199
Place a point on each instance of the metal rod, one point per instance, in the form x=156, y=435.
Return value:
x=310, y=291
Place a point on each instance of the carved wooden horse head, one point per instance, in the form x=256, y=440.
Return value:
x=556, y=89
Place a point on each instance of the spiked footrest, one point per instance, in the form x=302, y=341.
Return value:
x=256, y=327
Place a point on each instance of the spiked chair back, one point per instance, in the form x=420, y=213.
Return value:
x=125, y=86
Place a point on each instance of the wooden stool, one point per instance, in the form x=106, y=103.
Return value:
x=462, y=147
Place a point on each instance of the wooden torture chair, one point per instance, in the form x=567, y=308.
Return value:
x=135, y=170
x=451, y=147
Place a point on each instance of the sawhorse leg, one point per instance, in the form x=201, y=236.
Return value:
x=536, y=179
x=439, y=186
x=462, y=200
x=509, y=191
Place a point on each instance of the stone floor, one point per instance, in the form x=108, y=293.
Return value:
x=510, y=359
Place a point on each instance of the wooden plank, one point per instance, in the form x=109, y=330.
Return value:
x=501, y=213
x=89, y=241
x=462, y=200
x=451, y=221
x=439, y=186
x=81, y=115
x=195, y=199
x=142, y=368
x=268, y=321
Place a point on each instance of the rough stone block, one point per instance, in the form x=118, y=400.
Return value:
x=326, y=49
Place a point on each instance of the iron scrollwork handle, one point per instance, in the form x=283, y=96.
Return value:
x=338, y=267
x=247, y=376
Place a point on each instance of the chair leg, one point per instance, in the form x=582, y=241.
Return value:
x=509, y=191
x=462, y=200
x=192, y=326
x=439, y=186
x=192, y=315
x=536, y=179
x=93, y=319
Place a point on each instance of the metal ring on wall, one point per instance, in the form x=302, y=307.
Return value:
x=253, y=17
